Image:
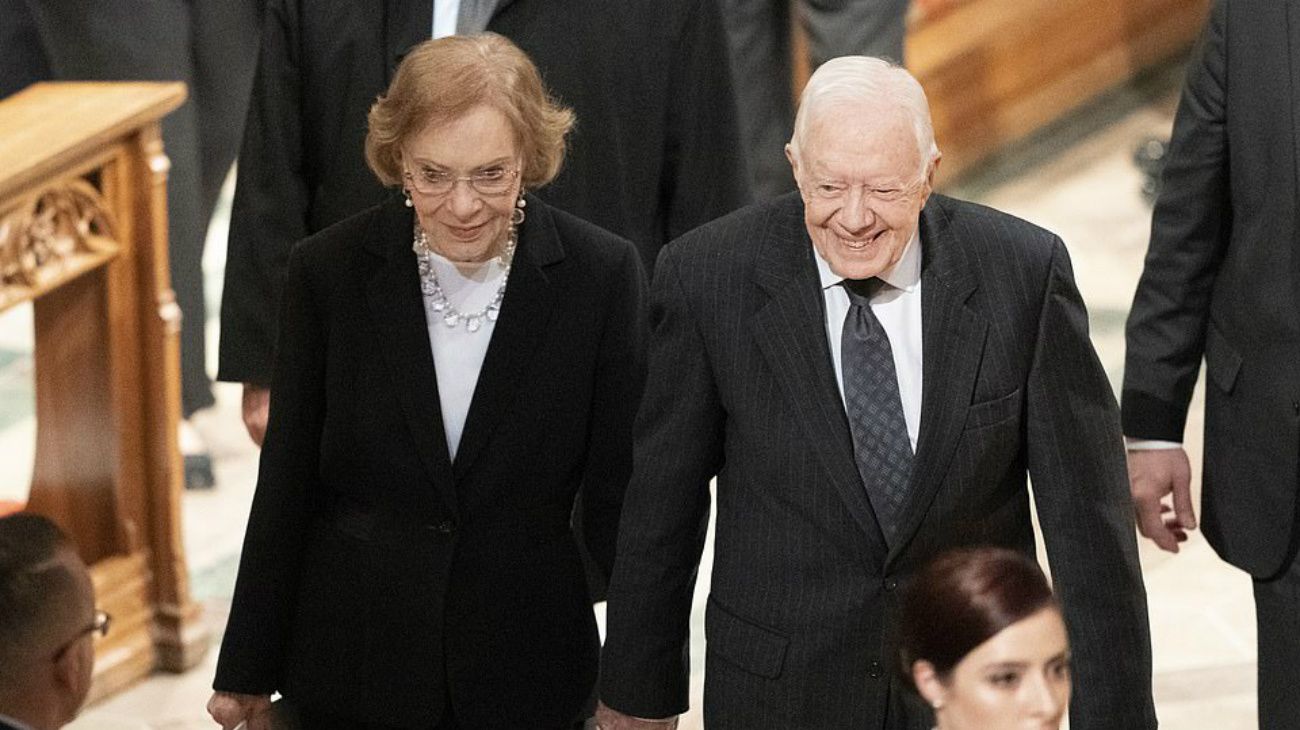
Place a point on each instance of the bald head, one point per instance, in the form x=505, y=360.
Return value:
x=863, y=86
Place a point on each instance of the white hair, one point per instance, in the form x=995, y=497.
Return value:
x=859, y=79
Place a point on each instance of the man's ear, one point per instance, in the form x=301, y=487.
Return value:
x=929, y=684
x=930, y=176
x=793, y=158
x=73, y=668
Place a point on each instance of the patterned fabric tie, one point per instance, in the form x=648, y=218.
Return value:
x=875, y=409
x=473, y=16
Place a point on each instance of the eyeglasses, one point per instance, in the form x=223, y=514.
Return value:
x=492, y=181
x=99, y=625
x=836, y=189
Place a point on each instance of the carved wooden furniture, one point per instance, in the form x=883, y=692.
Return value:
x=996, y=71
x=83, y=236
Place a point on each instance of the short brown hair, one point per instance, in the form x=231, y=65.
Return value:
x=961, y=599
x=441, y=79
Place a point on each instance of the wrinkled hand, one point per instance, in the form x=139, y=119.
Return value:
x=611, y=719
x=1153, y=475
x=257, y=403
x=229, y=709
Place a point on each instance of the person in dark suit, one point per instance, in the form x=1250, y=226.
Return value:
x=1222, y=282
x=210, y=46
x=870, y=371
x=47, y=623
x=759, y=34
x=451, y=373
x=654, y=154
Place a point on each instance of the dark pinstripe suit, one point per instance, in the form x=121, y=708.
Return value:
x=803, y=600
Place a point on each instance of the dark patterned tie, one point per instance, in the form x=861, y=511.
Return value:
x=874, y=407
x=473, y=16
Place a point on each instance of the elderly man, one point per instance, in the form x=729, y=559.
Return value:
x=870, y=370
x=47, y=617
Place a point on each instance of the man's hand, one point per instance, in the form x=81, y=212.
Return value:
x=257, y=403
x=229, y=709
x=610, y=719
x=1154, y=474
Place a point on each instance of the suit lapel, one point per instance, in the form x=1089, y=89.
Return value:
x=790, y=329
x=397, y=308
x=406, y=23
x=525, y=311
x=952, y=346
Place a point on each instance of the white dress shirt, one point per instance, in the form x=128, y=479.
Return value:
x=444, y=17
x=898, y=307
x=458, y=353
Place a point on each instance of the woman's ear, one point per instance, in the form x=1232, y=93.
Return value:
x=929, y=684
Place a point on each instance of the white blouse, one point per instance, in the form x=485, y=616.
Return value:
x=458, y=353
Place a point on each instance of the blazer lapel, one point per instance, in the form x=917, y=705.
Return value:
x=397, y=307
x=525, y=312
x=790, y=329
x=952, y=345
x=406, y=23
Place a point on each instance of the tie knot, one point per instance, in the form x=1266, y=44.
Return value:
x=861, y=290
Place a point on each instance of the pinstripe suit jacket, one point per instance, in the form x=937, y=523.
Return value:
x=803, y=601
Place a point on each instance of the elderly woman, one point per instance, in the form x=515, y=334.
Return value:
x=455, y=367
x=983, y=642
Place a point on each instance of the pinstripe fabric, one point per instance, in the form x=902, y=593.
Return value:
x=802, y=605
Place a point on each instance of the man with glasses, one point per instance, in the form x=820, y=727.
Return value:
x=47, y=624
x=871, y=371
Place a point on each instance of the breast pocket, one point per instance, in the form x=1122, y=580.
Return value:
x=994, y=411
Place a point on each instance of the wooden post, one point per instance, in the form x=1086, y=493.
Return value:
x=83, y=235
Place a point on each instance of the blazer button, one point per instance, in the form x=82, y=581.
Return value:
x=891, y=585
x=873, y=670
x=445, y=528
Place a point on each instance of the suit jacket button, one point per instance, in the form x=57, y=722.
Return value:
x=873, y=670
x=447, y=527
x=891, y=584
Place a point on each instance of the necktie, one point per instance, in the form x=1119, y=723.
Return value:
x=874, y=407
x=474, y=15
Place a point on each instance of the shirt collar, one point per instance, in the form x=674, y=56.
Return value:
x=905, y=274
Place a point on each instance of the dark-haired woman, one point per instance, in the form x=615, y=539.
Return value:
x=983, y=642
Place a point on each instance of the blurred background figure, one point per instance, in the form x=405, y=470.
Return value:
x=983, y=642
x=47, y=622
x=456, y=365
x=762, y=66
x=654, y=154
x=211, y=46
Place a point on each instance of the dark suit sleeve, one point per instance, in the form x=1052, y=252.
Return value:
x=1080, y=484
x=645, y=668
x=1189, y=233
x=253, y=650
x=620, y=373
x=270, y=208
x=704, y=172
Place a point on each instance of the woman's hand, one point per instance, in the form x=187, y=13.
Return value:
x=230, y=708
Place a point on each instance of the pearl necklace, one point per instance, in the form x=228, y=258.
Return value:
x=437, y=299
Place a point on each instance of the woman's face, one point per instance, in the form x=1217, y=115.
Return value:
x=463, y=179
x=1017, y=680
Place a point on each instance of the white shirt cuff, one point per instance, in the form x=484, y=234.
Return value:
x=1133, y=444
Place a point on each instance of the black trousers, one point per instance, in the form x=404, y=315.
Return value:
x=211, y=45
x=1277, y=617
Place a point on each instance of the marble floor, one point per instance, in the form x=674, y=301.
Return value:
x=1076, y=178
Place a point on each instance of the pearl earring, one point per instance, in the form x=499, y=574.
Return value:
x=407, y=194
x=517, y=215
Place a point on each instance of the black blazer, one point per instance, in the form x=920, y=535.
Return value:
x=803, y=605
x=654, y=153
x=378, y=577
x=1222, y=281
